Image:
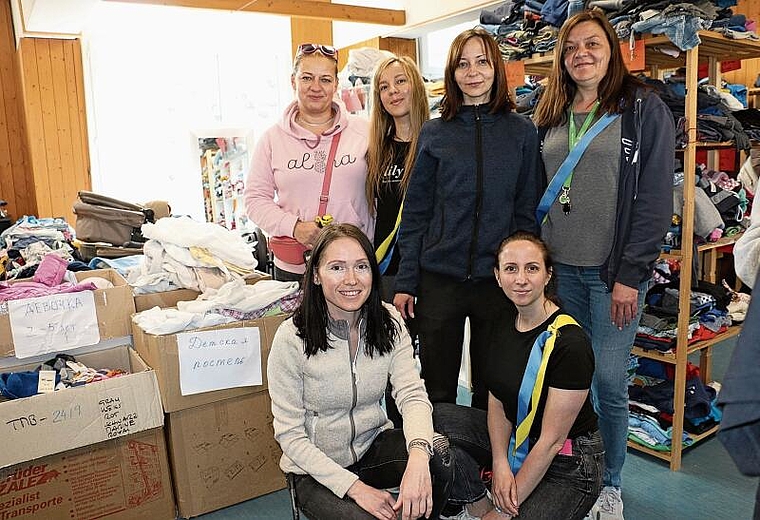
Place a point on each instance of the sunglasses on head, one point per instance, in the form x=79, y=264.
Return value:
x=311, y=48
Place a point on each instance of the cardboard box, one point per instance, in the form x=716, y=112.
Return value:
x=161, y=353
x=45, y=424
x=170, y=298
x=223, y=453
x=121, y=479
x=114, y=308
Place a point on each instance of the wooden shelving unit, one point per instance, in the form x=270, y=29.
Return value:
x=713, y=49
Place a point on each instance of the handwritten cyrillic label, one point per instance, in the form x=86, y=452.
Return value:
x=218, y=359
x=53, y=323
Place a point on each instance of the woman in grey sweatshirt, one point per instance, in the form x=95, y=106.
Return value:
x=327, y=370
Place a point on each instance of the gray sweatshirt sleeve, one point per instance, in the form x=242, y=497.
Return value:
x=408, y=389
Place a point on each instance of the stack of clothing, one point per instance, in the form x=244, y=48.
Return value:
x=721, y=206
x=651, y=392
x=233, y=301
x=184, y=254
x=520, y=21
x=29, y=240
x=658, y=327
x=50, y=277
x=68, y=373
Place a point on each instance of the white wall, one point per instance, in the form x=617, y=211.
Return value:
x=434, y=48
x=157, y=76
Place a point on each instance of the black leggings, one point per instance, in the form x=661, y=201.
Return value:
x=443, y=306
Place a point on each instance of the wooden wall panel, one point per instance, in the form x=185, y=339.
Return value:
x=309, y=30
x=78, y=114
x=35, y=128
x=16, y=186
x=398, y=46
x=55, y=116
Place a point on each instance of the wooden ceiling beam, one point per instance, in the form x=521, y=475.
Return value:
x=301, y=8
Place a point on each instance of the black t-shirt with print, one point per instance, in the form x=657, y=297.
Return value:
x=389, y=198
x=570, y=367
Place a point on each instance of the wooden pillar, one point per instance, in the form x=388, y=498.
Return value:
x=310, y=30
x=52, y=81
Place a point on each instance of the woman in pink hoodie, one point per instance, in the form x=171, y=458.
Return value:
x=285, y=185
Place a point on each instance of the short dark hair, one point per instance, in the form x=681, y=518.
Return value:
x=311, y=318
x=453, y=98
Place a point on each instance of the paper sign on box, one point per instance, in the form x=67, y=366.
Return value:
x=219, y=359
x=53, y=323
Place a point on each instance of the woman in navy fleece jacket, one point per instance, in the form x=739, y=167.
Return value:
x=475, y=181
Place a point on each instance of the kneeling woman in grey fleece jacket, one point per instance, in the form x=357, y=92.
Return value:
x=327, y=370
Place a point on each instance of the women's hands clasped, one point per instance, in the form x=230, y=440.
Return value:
x=504, y=491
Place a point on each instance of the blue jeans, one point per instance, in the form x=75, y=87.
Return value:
x=381, y=467
x=586, y=298
x=567, y=490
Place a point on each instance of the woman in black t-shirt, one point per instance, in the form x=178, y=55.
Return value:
x=399, y=108
x=561, y=473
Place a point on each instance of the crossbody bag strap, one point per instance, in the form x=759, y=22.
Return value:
x=325, y=195
x=567, y=166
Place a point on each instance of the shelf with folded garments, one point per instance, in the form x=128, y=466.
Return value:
x=666, y=455
x=663, y=54
x=711, y=253
x=697, y=346
x=707, y=246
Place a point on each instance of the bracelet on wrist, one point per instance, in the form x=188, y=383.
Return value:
x=421, y=444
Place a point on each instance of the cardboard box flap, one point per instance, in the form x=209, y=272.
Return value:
x=45, y=424
x=161, y=353
x=113, y=310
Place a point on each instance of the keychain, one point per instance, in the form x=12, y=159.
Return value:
x=564, y=199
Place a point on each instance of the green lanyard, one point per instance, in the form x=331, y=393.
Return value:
x=573, y=138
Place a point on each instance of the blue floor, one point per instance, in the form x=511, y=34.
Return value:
x=708, y=486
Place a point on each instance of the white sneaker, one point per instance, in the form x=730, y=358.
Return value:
x=609, y=505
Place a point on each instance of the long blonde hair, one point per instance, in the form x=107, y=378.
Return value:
x=383, y=127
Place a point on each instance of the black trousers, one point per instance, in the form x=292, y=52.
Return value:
x=381, y=467
x=443, y=305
